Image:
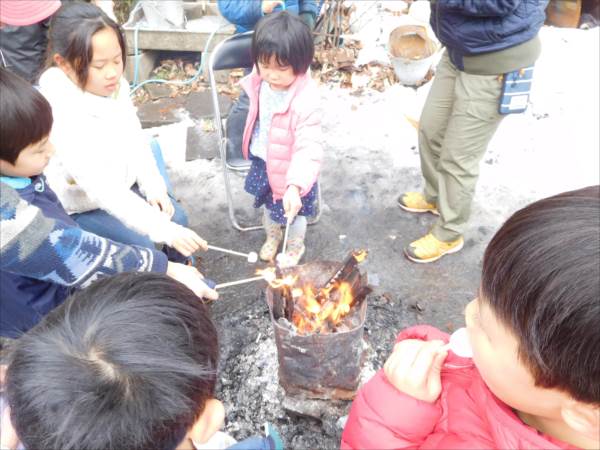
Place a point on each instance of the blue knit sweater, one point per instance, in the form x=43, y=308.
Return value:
x=44, y=254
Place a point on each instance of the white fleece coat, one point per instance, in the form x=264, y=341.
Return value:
x=101, y=152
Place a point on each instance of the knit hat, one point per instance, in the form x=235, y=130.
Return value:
x=26, y=12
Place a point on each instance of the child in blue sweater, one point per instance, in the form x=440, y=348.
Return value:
x=25, y=123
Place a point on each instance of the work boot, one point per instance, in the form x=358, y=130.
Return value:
x=293, y=253
x=416, y=202
x=274, y=238
x=429, y=248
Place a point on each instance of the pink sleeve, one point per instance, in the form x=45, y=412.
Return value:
x=382, y=417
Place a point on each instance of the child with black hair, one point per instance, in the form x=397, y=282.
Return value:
x=44, y=252
x=282, y=135
x=128, y=363
x=533, y=380
x=106, y=173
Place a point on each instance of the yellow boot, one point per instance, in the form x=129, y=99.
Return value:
x=416, y=202
x=429, y=248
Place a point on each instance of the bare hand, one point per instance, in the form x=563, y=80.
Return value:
x=292, y=202
x=269, y=5
x=414, y=368
x=187, y=242
x=164, y=205
x=193, y=279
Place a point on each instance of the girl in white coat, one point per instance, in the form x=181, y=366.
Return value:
x=104, y=172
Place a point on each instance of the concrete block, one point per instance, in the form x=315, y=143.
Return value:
x=146, y=63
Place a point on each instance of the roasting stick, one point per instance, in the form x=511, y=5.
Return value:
x=252, y=257
x=235, y=283
x=285, y=236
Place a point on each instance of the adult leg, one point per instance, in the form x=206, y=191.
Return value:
x=474, y=121
x=433, y=123
x=236, y=121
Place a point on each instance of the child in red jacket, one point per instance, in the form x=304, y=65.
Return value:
x=533, y=381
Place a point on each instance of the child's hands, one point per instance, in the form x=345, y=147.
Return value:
x=414, y=368
x=292, y=202
x=269, y=5
x=187, y=242
x=163, y=204
x=193, y=279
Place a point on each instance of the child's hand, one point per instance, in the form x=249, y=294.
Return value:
x=292, y=202
x=193, y=279
x=414, y=368
x=188, y=242
x=269, y=5
x=164, y=205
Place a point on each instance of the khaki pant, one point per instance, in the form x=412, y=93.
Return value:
x=458, y=120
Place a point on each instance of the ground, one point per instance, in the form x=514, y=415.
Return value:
x=371, y=156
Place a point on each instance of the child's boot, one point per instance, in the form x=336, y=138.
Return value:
x=274, y=238
x=294, y=251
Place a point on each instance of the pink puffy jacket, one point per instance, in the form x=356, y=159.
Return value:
x=294, y=152
x=467, y=414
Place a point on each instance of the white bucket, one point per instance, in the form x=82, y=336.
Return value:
x=164, y=14
x=412, y=53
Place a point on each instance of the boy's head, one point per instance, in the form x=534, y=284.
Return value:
x=129, y=362
x=25, y=124
x=535, y=326
x=282, y=48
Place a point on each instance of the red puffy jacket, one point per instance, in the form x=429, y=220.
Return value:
x=466, y=415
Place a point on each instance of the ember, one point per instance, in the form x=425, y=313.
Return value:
x=320, y=310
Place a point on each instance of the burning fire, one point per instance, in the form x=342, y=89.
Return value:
x=316, y=310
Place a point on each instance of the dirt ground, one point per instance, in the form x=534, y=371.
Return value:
x=371, y=157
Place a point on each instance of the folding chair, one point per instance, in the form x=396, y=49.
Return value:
x=233, y=53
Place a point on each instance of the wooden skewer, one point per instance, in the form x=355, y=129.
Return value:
x=235, y=283
x=251, y=257
x=285, y=237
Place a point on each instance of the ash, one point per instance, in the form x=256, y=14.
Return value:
x=249, y=387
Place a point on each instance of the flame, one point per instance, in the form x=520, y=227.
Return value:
x=270, y=277
x=360, y=255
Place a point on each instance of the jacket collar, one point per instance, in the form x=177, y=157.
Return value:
x=251, y=85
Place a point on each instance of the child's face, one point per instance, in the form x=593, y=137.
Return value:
x=495, y=353
x=279, y=77
x=106, y=66
x=32, y=160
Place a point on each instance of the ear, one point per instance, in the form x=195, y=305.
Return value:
x=209, y=422
x=62, y=63
x=584, y=418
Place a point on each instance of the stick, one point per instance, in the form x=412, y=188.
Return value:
x=234, y=283
x=285, y=237
x=224, y=250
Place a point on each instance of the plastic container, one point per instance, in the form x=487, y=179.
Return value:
x=164, y=14
x=412, y=53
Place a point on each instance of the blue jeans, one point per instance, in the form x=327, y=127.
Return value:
x=103, y=224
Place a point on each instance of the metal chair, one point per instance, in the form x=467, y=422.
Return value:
x=233, y=53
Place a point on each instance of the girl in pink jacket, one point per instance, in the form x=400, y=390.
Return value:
x=282, y=135
x=533, y=381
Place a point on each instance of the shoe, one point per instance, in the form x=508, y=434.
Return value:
x=293, y=253
x=274, y=237
x=416, y=202
x=429, y=248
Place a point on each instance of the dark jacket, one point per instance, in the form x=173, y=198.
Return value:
x=26, y=300
x=475, y=27
x=245, y=14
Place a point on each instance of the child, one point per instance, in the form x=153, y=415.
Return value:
x=104, y=173
x=533, y=381
x=283, y=131
x=129, y=363
x=42, y=264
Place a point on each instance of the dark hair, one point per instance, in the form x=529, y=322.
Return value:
x=25, y=116
x=541, y=278
x=70, y=35
x=127, y=363
x=288, y=38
